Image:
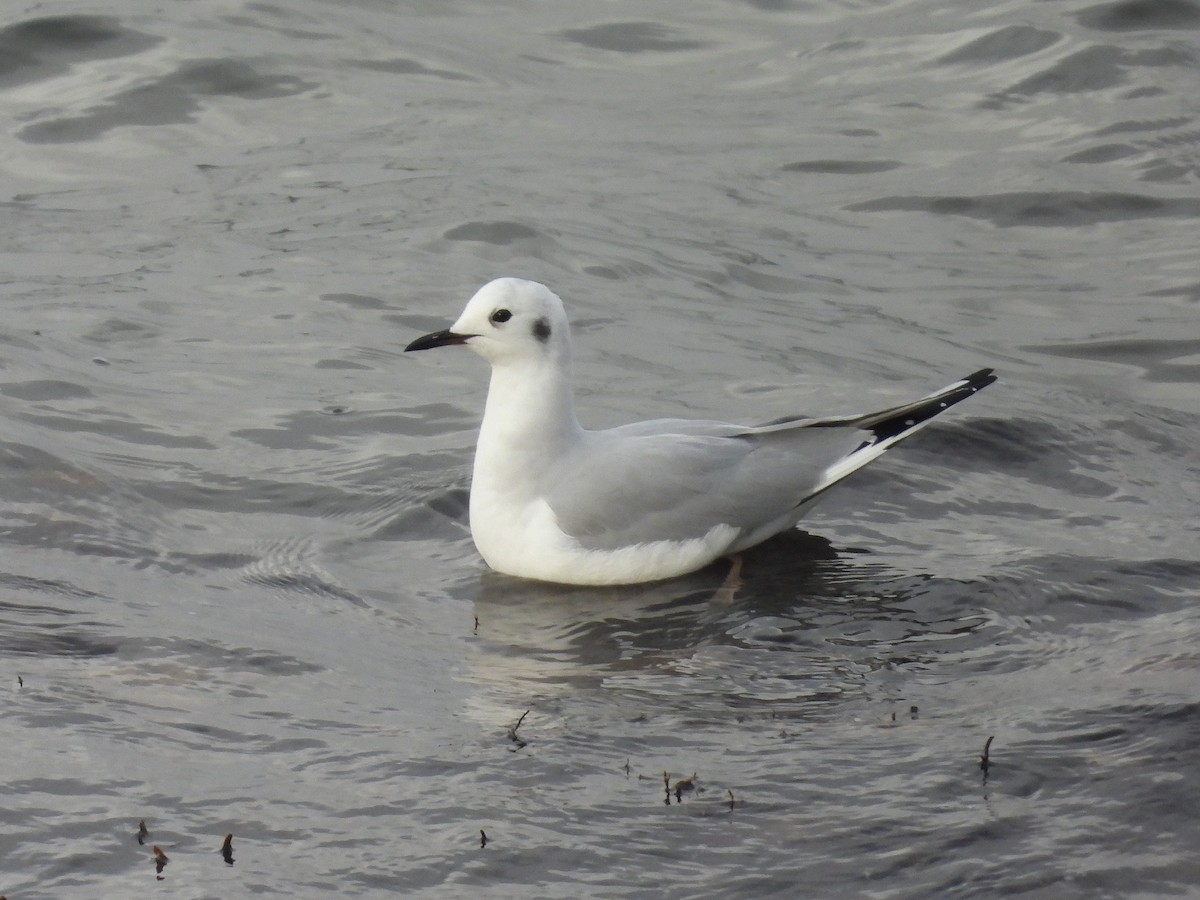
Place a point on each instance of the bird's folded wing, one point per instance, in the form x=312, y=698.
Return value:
x=635, y=485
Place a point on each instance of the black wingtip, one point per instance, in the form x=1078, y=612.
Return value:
x=981, y=379
x=894, y=424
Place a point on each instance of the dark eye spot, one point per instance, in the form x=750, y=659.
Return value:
x=541, y=330
x=500, y=316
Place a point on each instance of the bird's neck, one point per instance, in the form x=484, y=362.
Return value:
x=530, y=413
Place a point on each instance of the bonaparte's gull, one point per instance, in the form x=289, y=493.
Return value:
x=640, y=502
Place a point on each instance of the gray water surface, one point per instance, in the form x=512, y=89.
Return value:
x=237, y=589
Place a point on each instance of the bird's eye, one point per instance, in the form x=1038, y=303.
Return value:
x=501, y=315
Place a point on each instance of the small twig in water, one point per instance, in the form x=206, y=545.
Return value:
x=512, y=732
x=985, y=760
x=683, y=786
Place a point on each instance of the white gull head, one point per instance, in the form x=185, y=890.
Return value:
x=510, y=320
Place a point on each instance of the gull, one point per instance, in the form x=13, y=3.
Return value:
x=642, y=502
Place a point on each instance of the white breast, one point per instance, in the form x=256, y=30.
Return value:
x=525, y=540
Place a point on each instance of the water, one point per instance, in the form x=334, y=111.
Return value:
x=238, y=593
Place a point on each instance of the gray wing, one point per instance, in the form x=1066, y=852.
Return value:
x=676, y=480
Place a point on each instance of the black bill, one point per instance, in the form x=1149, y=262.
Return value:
x=438, y=339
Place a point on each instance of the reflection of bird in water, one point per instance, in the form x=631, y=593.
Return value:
x=806, y=626
x=545, y=636
x=599, y=625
